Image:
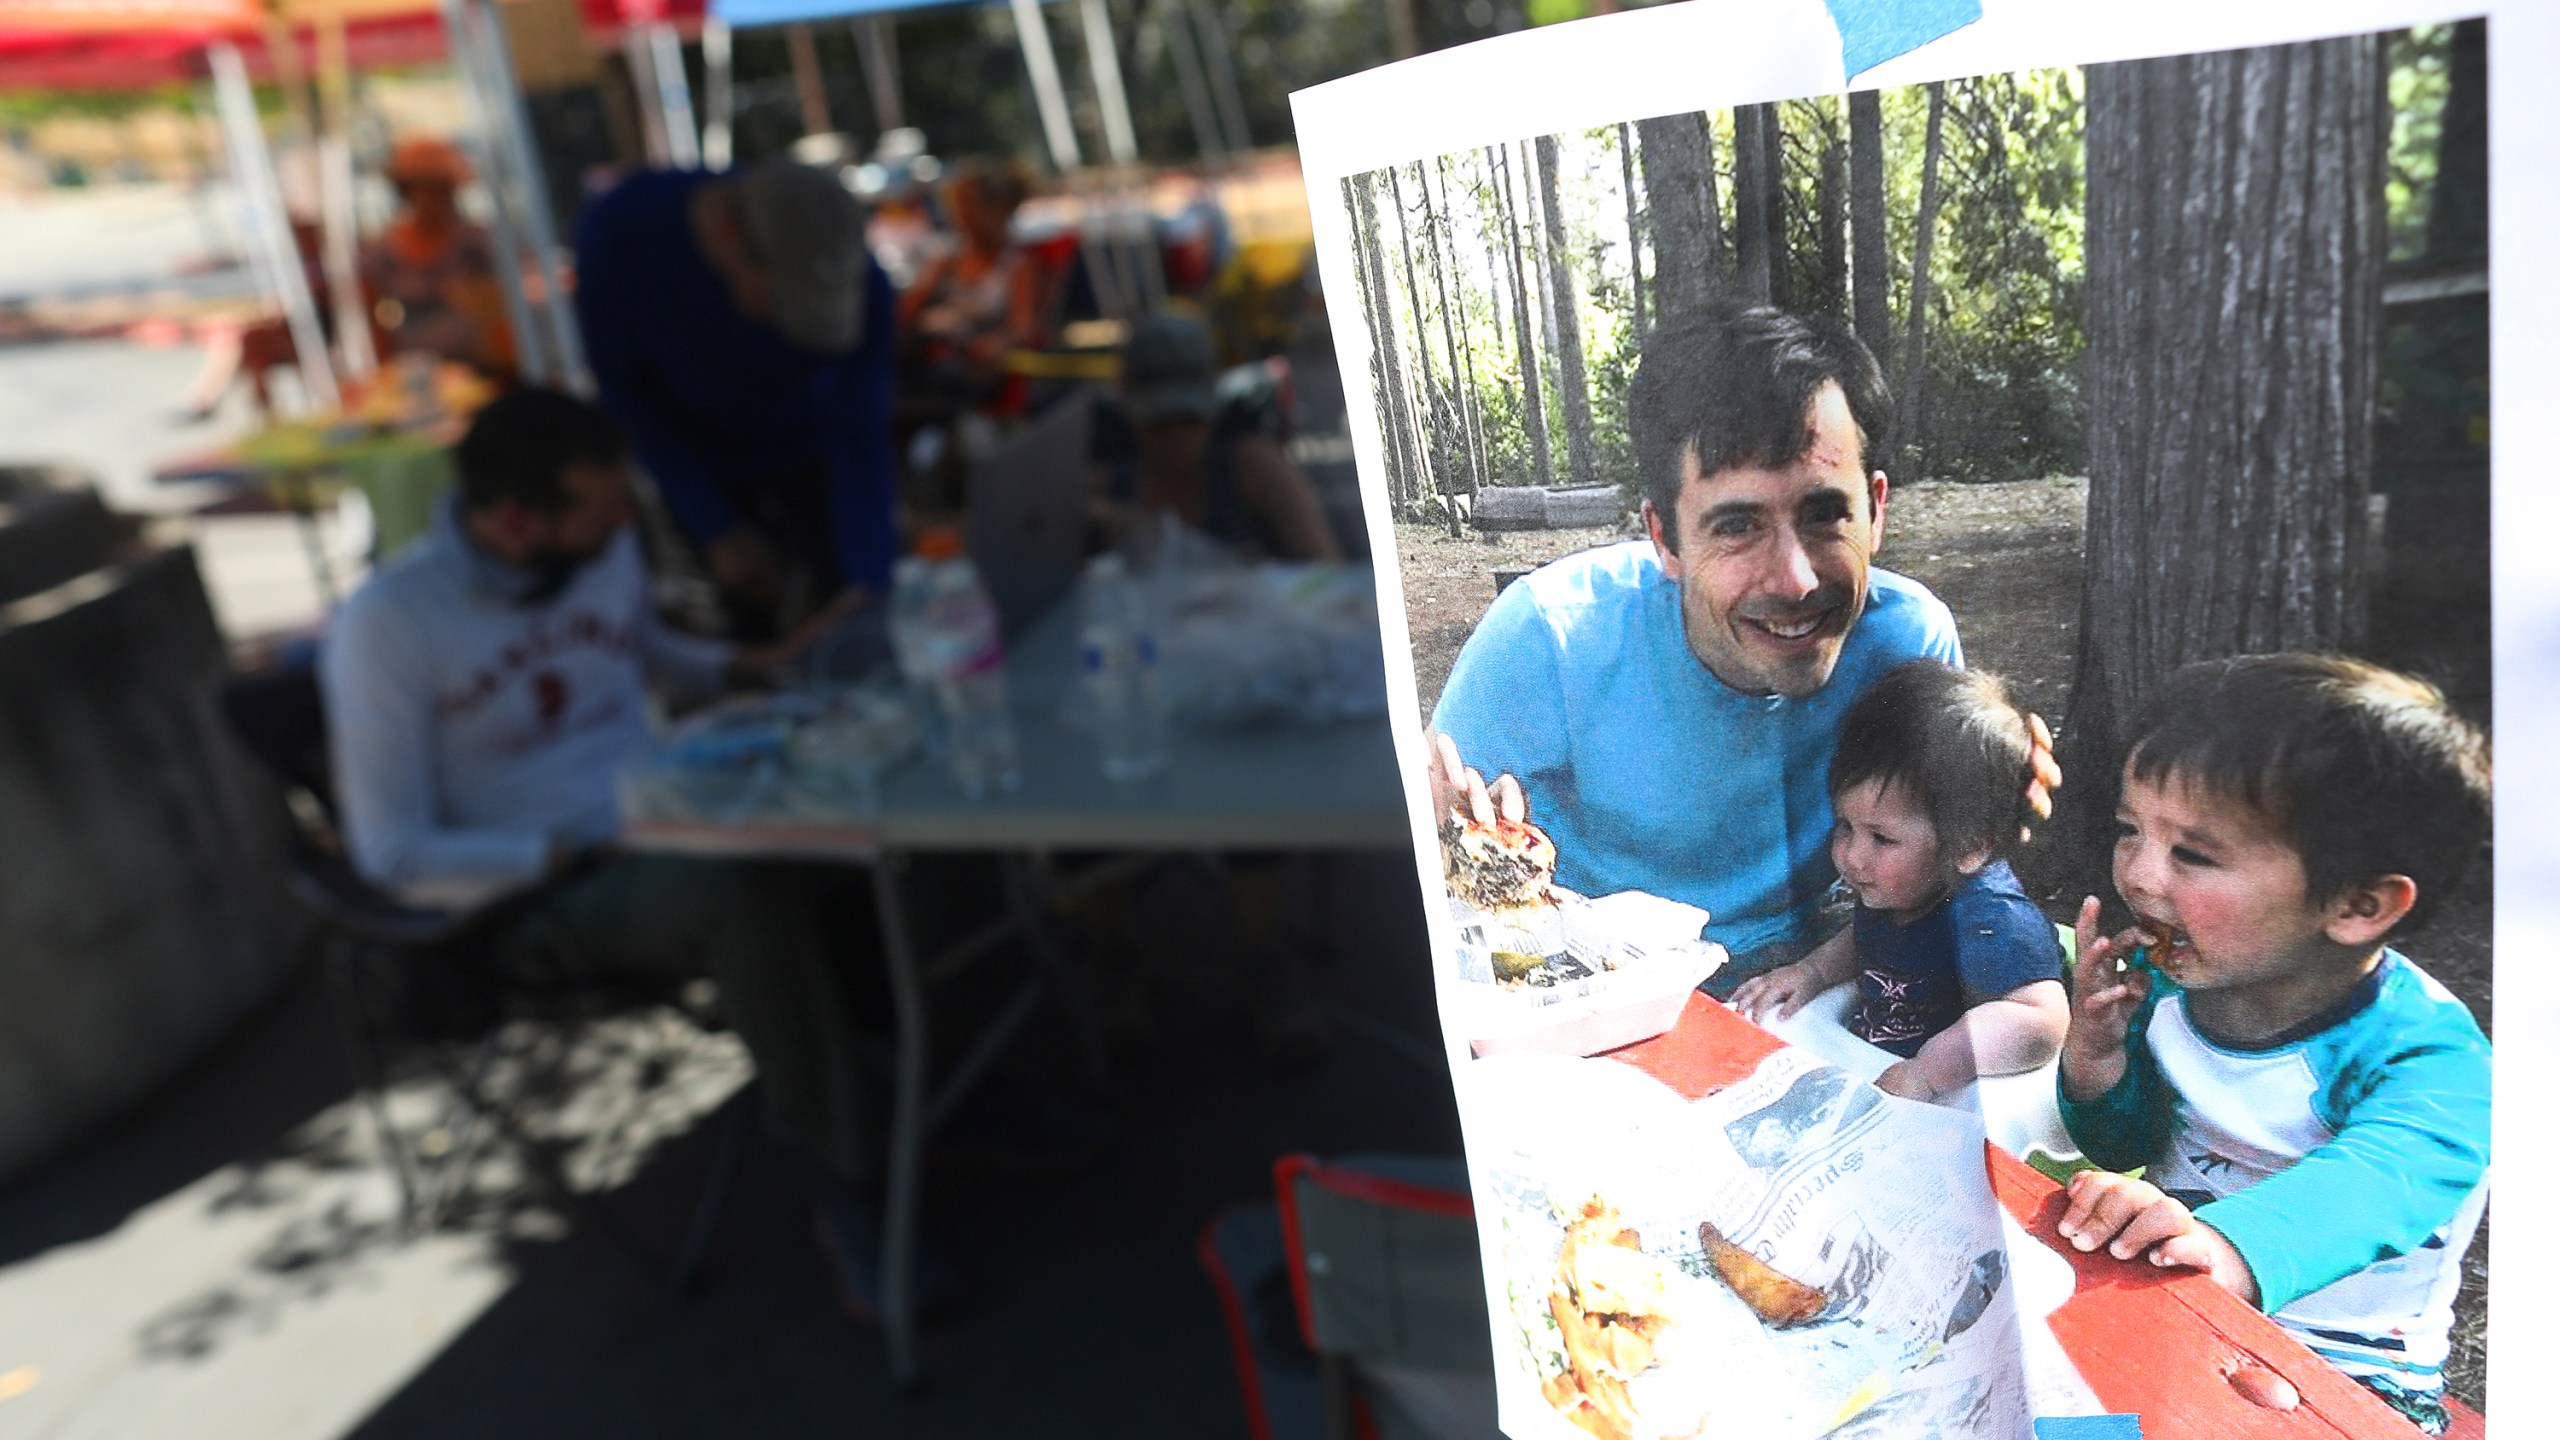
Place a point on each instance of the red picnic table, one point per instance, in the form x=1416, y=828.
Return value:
x=2161, y=1344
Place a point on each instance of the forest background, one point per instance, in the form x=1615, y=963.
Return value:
x=1510, y=288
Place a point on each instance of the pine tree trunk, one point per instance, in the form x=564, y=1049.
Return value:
x=1751, y=259
x=1719, y=256
x=1542, y=270
x=1831, y=211
x=1680, y=196
x=1437, y=219
x=1773, y=207
x=1488, y=222
x=1871, y=288
x=1384, y=378
x=1635, y=230
x=1426, y=426
x=1910, y=406
x=1533, y=401
x=1470, y=385
x=2235, y=248
x=1571, y=379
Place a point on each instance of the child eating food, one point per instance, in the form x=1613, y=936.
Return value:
x=2311, y=1109
x=1958, y=972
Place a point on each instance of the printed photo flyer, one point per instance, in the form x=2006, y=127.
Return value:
x=1946, y=698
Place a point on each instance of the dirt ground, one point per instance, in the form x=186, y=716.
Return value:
x=2007, y=560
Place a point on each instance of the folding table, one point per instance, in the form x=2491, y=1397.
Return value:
x=1329, y=787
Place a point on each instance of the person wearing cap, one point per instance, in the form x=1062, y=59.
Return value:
x=1172, y=444
x=740, y=329
x=431, y=275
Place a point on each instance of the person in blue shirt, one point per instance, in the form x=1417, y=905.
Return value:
x=1957, y=970
x=2311, y=1109
x=740, y=330
x=1667, y=708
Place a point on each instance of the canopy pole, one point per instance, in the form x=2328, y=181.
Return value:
x=338, y=204
x=524, y=165
x=1045, y=88
x=646, y=96
x=806, y=79
x=256, y=177
x=719, y=96
x=1195, y=87
x=877, y=37
x=1102, y=57
x=675, y=99
x=488, y=161
x=1222, y=73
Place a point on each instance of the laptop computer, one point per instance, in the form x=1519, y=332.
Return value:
x=1026, y=527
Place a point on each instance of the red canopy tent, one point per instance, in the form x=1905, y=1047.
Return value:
x=83, y=44
x=138, y=44
x=129, y=44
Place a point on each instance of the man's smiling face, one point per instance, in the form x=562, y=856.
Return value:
x=1772, y=564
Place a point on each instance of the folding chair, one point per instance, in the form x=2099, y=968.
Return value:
x=1356, y=1305
x=400, y=975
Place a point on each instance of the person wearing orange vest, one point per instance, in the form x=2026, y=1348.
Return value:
x=431, y=275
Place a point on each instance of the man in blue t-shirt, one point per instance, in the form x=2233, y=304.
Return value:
x=739, y=329
x=1666, y=708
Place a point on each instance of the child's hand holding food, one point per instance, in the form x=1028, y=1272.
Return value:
x=2105, y=992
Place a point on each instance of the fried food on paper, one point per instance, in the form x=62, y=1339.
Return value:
x=1611, y=1303
x=1506, y=865
x=1780, y=1302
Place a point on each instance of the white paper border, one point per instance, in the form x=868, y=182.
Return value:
x=1711, y=54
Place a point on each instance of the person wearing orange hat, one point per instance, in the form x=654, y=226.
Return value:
x=430, y=275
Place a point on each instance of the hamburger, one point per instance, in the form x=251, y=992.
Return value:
x=1506, y=865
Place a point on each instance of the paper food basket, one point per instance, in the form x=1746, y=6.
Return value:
x=1629, y=961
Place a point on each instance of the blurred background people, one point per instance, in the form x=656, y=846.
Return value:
x=739, y=328
x=430, y=276
x=483, y=690
x=1178, y=442
x=249, y=352
x=981, y=299
x=906, y=230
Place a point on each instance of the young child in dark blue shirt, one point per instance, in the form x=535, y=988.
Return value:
x=1957, y=971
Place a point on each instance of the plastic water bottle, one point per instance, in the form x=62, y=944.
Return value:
x=1118, y=652
x=910, y=587
x=964, y=641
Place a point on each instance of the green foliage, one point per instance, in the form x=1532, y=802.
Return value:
x=25, y=108
x=2001, y=398
x=2420, y=78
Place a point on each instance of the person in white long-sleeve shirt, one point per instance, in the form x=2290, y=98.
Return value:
x=483, y=688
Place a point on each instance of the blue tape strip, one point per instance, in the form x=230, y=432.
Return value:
x=1874, y=31
x=2090, y=1427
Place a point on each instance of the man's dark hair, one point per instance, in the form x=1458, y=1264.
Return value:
x=1731, y=384
x=520, y=445
x=2365, y=771
x=1951, y=738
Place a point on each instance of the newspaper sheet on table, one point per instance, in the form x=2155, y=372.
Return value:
x=1880, y=1203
